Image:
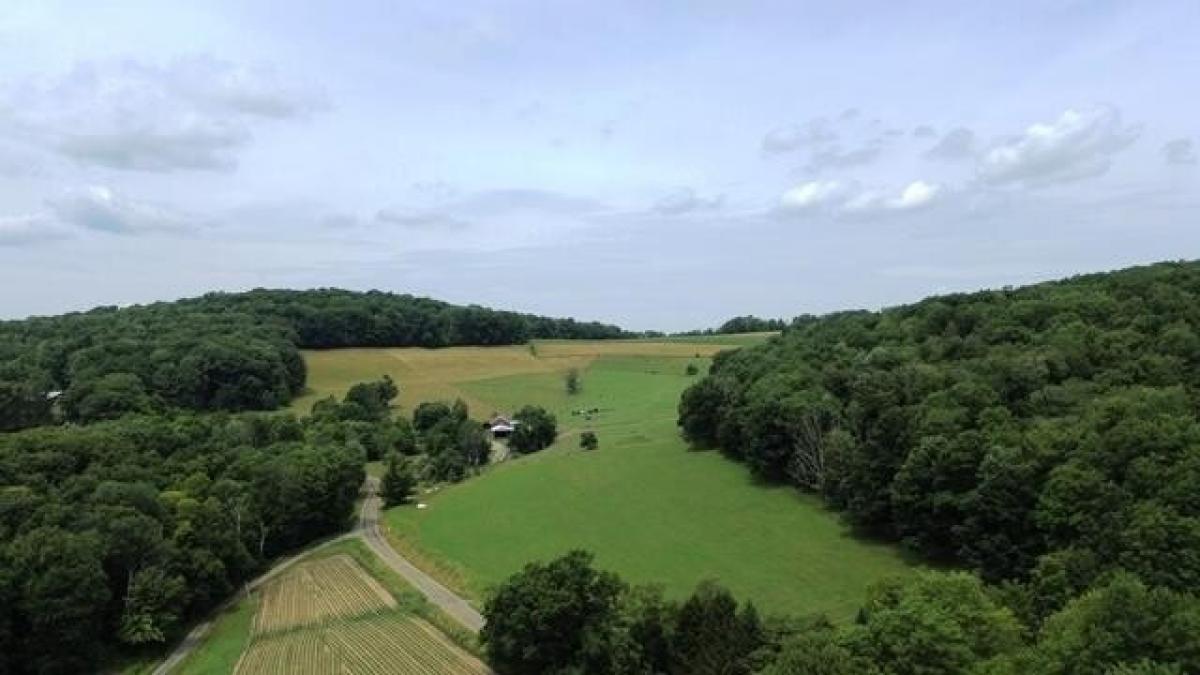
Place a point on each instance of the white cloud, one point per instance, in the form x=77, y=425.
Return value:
x=813, y=194
x=1079, y=144
x=956, y=144
x=917, y=194
x=27, y=229
x=842, y=198
x=686, y=200
x=99, y=208
x=1179, y=151
x=191, y=114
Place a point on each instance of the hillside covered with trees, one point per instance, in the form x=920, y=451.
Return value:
x=1046, y=437
x=114, y=534
x=226, y=351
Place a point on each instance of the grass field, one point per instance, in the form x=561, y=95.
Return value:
x=650, y=509
x=335, y=613
x=433, y=374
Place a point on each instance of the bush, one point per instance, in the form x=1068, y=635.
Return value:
x=536, y=429
x=588, y=440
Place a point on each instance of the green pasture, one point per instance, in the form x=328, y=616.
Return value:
x=647, y=506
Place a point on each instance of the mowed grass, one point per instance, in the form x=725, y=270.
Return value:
x=647, y=506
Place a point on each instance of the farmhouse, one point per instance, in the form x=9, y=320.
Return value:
x=501, y=426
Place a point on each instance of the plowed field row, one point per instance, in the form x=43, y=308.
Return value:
x=385, y=644
x=314, y=592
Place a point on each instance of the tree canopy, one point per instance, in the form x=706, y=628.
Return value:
x=113, y=534
x=536, y=429
x=227, y=351
x=1046, y=437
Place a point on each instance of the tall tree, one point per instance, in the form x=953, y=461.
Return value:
x=536, y=429
x=555, y=617
x=399, y=480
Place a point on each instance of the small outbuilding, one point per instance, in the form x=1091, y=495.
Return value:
x=501, y=426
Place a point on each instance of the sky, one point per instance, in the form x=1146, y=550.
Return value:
x=661, y=165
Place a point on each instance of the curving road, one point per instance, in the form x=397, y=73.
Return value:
x=367, y=528
x=444, y=598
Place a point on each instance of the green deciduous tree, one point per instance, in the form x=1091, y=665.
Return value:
x=399, y=480
x=933, y=623
x=556, y=617
x=713, y=636
x=536, y=429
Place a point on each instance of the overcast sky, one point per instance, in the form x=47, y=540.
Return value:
x=657, y=164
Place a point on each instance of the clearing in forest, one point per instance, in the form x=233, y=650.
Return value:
x=438, y=374
x=649, y=508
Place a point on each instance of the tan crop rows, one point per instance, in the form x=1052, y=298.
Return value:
x=314, y=592
x=383, y=644
x=330, y=617
x=394, y=643
x=300, y=651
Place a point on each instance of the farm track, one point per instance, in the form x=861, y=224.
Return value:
x=450, y=603
x=366, y=528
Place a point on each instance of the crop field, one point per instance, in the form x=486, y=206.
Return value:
x=647, y=506
x=376, y=644
x=433, y=374
x=318, y=591
x=329, y=616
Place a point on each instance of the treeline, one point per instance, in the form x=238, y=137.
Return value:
x=225, y=351
x=565, y=616
x=329, y=318
x=742, y=324
x=113, y=535
x=1045, y=436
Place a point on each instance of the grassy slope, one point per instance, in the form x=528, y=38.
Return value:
x=650, y=509
x=225, y=642
x=431, y=374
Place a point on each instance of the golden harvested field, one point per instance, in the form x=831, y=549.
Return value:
x=318, y=591
x=436, y=374
x=330, y=617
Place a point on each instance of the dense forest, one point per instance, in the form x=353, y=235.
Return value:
x=1046, y=437
x=114, y=534
x=225, y=351
x=566, y=617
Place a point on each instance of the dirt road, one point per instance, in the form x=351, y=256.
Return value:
x=444, y=598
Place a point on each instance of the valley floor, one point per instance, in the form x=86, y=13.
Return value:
x=649, y=508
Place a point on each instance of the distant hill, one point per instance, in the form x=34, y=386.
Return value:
x=741, y=324
x=227, y=351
